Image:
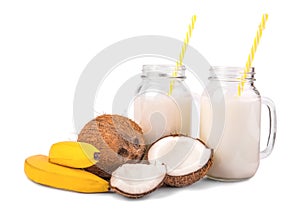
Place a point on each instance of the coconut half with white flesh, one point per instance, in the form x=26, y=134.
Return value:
x=187, y=159
x=137, y=180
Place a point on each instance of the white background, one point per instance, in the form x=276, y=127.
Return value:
x=45, y=45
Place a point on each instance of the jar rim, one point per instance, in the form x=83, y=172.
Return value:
x=231, y=74
x=231, y=68
x=158, y=67
x=164, y=70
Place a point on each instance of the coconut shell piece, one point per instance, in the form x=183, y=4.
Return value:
x=137, y=180
x=185, y=180
x=187, y=159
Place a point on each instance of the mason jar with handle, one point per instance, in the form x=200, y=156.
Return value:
x=230, y=123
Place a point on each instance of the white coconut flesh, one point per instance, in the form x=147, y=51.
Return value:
x=181, y=154
x=136, y=179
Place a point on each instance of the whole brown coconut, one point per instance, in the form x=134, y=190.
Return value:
x=119, y=140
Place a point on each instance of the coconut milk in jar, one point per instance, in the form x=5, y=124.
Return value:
x=230, y=124
x=158, y=110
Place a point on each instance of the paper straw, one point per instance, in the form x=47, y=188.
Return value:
x=250, y=59
x=188, y=35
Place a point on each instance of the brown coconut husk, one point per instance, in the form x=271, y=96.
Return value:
x=188, y=179
x=119, y=140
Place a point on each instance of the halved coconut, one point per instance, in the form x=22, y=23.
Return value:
x=187, y=159
x=137, y=180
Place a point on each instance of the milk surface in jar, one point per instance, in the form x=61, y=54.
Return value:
x=237, y=152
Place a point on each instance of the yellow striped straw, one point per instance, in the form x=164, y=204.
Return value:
x=188, y=35
x=250, y=59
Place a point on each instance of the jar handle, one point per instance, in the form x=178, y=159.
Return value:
x=272, y=127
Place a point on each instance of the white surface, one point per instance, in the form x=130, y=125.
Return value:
x=138, y=178
x=44, y=47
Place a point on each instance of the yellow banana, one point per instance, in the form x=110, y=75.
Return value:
x=40, y=170
x=73, y=154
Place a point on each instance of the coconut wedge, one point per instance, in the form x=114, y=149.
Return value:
x=187, y=159
x=137, y=180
